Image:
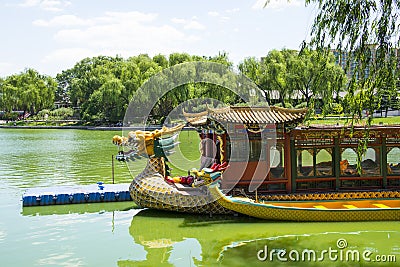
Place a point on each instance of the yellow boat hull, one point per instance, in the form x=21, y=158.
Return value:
x=318, y=211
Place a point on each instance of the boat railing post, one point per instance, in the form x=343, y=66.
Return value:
x=336, y=162
x=112, y=168
x=384, y=164
x=293, y=164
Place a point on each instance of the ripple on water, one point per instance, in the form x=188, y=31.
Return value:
x=38, y=158
x=61, y=259
x=2, y=235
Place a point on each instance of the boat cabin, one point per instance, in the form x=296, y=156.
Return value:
x=269, y=152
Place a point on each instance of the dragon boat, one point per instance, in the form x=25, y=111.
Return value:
x=153, y=187
x=262, y=162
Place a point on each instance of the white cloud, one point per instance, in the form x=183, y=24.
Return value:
x=29, y=3
x=48, y=5
x=277, y=4
x=191, y=24
x=68, y=55
x=213, y=13
x=129, y=16
x=108, y=18
x=194, y=25
x=116, y=33
x=233, y=10
x=178, y=21
x=225, y=18
x=128, y=36
x=64, y=20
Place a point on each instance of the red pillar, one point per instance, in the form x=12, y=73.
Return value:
x=288, y=164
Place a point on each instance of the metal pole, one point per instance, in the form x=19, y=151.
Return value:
x=112, y=170
x=256, y=196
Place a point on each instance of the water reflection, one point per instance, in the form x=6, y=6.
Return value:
x=172, y=239
x=175, y=239
x=78, y=208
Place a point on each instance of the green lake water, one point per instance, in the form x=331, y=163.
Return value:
x=118, y=234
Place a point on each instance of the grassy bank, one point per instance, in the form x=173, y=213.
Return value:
x=347, y=121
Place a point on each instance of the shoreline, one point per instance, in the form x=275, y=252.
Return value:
x=80, y=127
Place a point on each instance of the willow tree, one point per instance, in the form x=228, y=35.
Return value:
x=274, y=70
x=367, y=32
x=315, y=76
x=28, y=91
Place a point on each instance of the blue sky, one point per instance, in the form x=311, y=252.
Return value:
x=53, y=35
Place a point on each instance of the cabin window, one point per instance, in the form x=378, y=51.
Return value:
x=243, y=146
x=277, y=161
x=256, y=152
x=348, y=163
x=314, y=162
x=324, y=166
x=246, y=150
x=239, y=151
x=370, y=162
x=393, y=161
x=305, y=162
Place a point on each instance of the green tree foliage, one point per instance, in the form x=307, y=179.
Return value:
x=102, y=87
x=1, y=95
x=274, y=67
x=28, y=91
x=287, y=74
x=177, y=58
x=367, y=31
x=193, y=90
x=56, y=114
x=251, y=67
x=161, y=60
x=315, y=76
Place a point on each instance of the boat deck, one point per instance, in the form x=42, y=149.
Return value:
x=79, y=194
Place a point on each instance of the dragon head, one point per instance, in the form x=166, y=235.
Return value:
x=157, y=143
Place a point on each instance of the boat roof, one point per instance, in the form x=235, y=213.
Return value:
x=247, y=115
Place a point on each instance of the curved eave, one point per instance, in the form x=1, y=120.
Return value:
x=247, y=115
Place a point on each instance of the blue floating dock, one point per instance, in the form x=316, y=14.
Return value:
x=62, y=195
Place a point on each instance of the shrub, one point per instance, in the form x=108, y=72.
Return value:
x=287, y=105
x=62, y=113
x=11, y=116
x=42, y=114
x=337, y=108
x=301, y=105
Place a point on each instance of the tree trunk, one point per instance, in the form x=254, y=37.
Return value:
x=283, y=102
x=307, y=98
